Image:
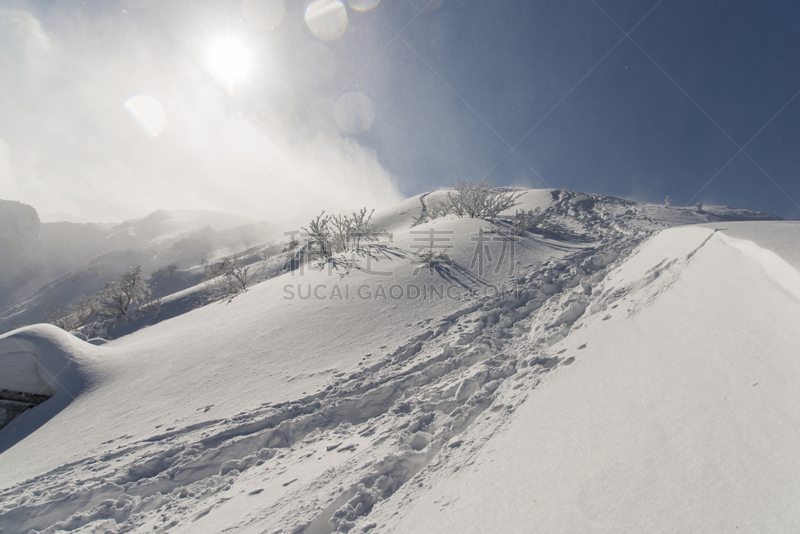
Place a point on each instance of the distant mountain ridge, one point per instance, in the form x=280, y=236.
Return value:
x=63, y=260
x=21, y=254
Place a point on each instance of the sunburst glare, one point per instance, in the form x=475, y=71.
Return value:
x=229, y=59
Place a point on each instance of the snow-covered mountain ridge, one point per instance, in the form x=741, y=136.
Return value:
x=52, y=264
x=598, y=377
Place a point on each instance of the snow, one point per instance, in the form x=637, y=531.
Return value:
x=680, y=414
x=267, y=345
x=779, y=237
x=633, y=377
x=44, y=360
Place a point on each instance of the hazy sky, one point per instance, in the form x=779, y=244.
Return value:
x=112, y=109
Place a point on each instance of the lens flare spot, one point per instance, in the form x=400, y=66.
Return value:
x=327, y=19
x=147, y=114
x=230, y=59
x=354, y=112
x=315, y=63
x=263, y=14
x=363, y=5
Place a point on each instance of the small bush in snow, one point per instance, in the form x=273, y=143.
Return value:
x=320, y=236
x=434, y=209
x=358, y=229
x=479, y=201
x=525, y=220
x=328, y=235
x=437, y=208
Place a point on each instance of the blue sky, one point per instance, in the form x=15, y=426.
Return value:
x=275, y=108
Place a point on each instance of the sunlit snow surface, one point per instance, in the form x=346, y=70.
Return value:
x=637, y=380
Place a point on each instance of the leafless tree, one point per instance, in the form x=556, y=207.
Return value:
x=479, y=201
x=229, y=277
x=168, y=270
x=340, y=233
x=332, y=234
x=218, y=268
x=238, y=277
x=77, y=315
x=126, y=297
x=319, y=236
x=361, y=229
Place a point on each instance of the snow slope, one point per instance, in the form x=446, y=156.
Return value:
x=45, y=360
x=605, y=382
x=780, y=237
x=678, y=414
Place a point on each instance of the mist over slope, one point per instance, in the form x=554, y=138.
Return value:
x=617, y=370
x=50, y=265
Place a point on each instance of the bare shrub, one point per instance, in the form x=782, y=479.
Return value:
x=340, y=229
x=77, y=315
x=126, y=297
x=329, y=235
x=219, y=268
x=168, y=270
x=473, y=200
x=360, y=228
x=479, y=201
x=238, y=277
x=229, y=278
x=319, y=236
x=526, y=220
x=438, y=209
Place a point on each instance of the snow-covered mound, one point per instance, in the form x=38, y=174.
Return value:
x=603, y=375
x=43, y=360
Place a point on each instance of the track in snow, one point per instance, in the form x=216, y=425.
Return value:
x=321, y=463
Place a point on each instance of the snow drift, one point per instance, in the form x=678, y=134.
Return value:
x=43, y=360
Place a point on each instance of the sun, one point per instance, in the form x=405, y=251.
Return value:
x=229, y=59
